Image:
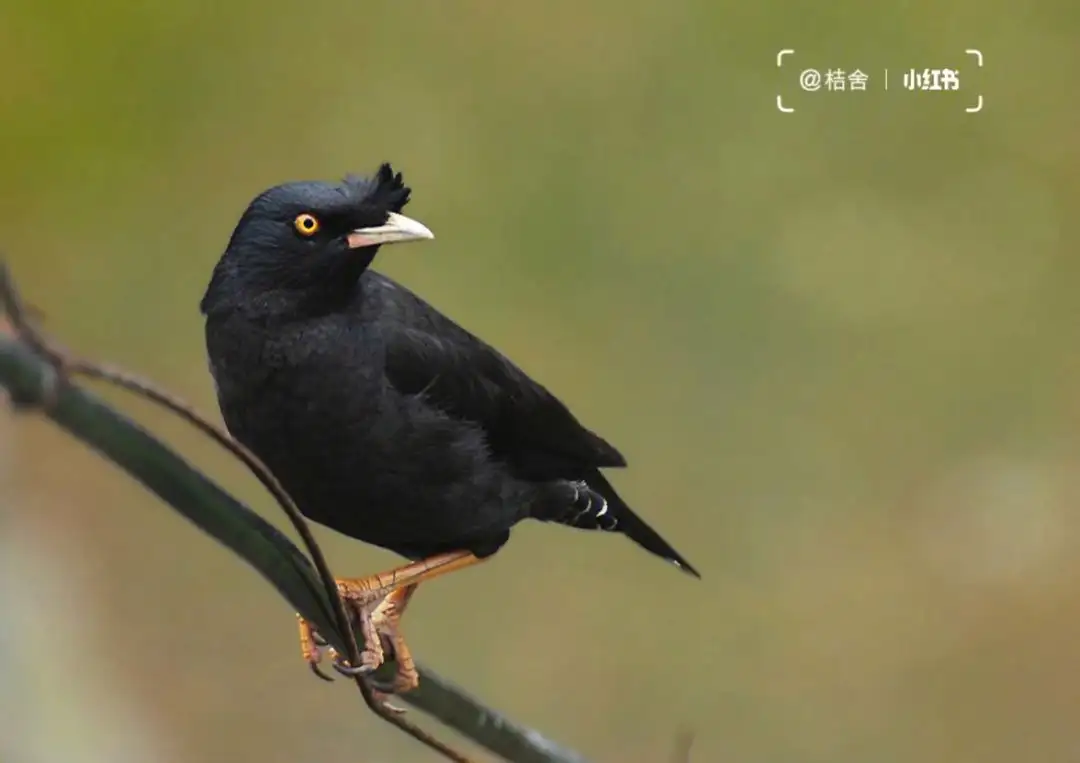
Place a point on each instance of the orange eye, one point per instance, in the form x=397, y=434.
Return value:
x=306, y=225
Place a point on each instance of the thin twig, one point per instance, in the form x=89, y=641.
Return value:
x=66, y=362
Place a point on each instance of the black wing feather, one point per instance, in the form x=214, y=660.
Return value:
x=527, y=426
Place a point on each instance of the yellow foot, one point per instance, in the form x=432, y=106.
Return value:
x=386, y=617
x=376, y=604
x=361, y=609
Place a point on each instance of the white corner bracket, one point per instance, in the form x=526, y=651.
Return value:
x=978, y=62
x=780, y=62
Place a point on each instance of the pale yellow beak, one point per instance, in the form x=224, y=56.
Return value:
x=396, y=229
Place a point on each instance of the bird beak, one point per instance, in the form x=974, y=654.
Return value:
x=397, y=228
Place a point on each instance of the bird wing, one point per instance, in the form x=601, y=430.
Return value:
x=527, y=426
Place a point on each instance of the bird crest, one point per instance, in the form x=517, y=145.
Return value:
x=386, y=189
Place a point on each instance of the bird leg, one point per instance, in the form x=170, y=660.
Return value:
x=377, y=603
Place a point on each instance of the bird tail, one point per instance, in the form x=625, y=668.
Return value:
x=596, y=506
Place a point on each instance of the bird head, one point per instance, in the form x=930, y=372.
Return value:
x=308, y=242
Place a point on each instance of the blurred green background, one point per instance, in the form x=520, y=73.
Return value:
x=840, y=349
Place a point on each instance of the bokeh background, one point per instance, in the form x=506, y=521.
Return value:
x=840, y=348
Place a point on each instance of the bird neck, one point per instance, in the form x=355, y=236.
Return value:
x=333, y=294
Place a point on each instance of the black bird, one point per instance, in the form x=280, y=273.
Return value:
x=381, y=417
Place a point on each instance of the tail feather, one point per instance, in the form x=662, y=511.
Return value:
x=596, y=506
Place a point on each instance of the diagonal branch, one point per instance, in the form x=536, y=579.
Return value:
x=29, y=372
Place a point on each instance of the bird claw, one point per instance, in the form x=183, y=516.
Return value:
x=315, y=648
x=377, y=618
x=319, y=672
x=370, y=662
x=349, y=671
x=371, y=659
x=383, y=698
x=365, y=609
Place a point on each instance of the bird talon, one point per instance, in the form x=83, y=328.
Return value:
x=319, y=672
x=312, y=648
x=371, y=657
x=349, y=671
x=386, y=621
x=362, y=604
x=369, y=664
x=383, y=698
x=375, y=606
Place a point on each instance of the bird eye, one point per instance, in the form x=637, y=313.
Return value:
x=306, y=225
